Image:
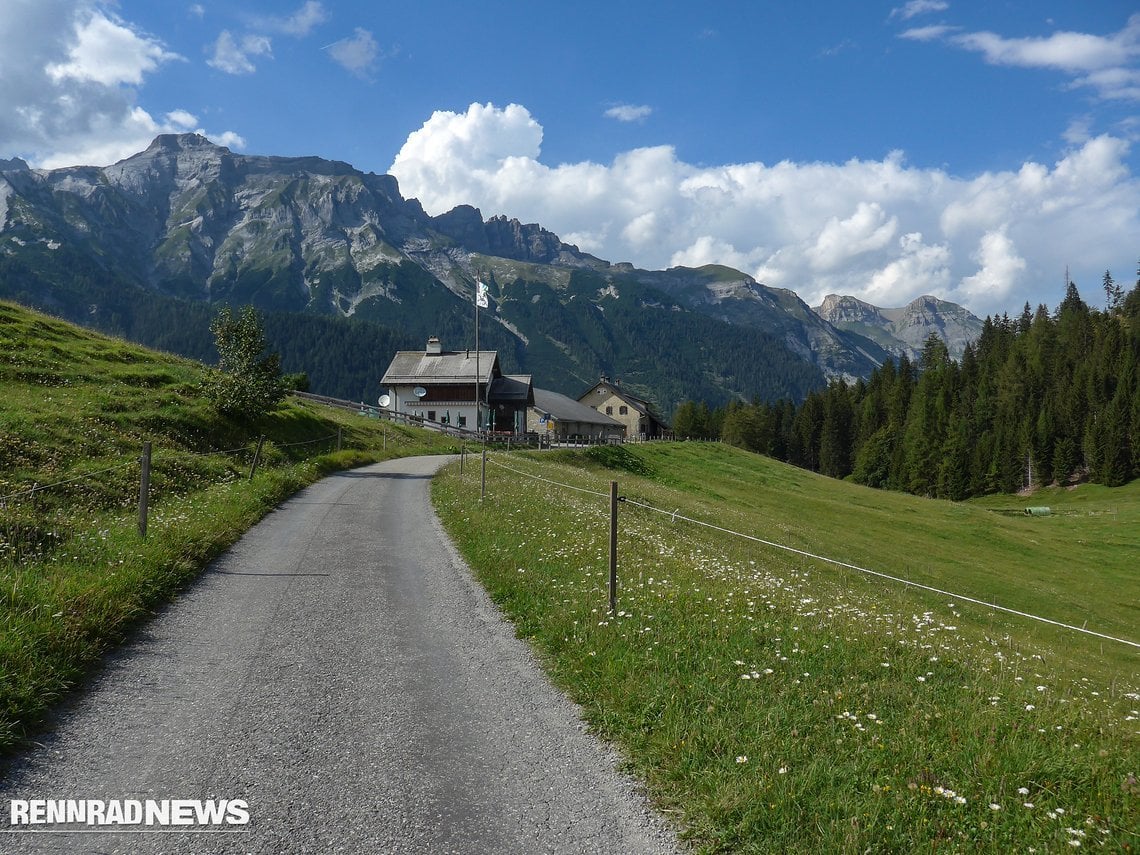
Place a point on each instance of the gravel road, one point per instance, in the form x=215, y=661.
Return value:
x=340, y=671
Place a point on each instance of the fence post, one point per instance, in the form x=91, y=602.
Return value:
x=462, y=454
x=613, y=544
x=483, y=473
x=144, y=488
x=256, y=456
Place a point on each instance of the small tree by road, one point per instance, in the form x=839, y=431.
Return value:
x=247, y=383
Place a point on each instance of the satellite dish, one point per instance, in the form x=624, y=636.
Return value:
x=385, y=400
x=419, y=391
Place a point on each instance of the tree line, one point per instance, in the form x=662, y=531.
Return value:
x=1047, y=397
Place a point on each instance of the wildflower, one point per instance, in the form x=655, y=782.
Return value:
x=995, y=806
x=742, y=758
x=1030, y=707
x=921, y=679
x=1024, y=791
x=783, y=770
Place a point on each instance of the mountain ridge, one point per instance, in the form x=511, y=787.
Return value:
x=186, y=219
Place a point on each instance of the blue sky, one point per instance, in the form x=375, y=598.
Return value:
x=885, y=150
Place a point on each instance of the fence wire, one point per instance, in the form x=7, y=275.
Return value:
x=675, y=516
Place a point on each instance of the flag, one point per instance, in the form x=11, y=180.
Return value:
x=482, y=300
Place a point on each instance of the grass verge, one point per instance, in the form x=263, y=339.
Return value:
x=772, y=703
x=75, y=576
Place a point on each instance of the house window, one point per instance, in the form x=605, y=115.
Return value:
x=431, y=415
x=609, y=411
x=463, y=421
x=623, y=411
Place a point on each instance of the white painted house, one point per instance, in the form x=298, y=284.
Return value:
x=464, y=388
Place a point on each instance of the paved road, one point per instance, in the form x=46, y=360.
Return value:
x=341, y=672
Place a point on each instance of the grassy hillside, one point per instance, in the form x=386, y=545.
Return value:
x=75, y=408
x=774, y=702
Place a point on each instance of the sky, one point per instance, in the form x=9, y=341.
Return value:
x=886, y=150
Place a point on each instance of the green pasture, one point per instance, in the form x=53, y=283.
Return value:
x=774, y=702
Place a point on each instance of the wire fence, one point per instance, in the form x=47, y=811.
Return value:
x=32, y=518
x=676, y=516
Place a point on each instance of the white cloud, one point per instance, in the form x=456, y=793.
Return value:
x=233, y=56
x=70, y=75
x=301, y=22
x=629, y=112
x=1107, y=64
x=927, y=34
x=109, y=52
x=358, y=53
x=878, y=229
x=919, y=7
x=866, y=230
x=999, y=271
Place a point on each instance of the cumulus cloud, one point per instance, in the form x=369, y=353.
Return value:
x=109, y=52
x=1000, y=267
x=71, y=72
x=882, y=230
x=629, y=112
x=358, y=53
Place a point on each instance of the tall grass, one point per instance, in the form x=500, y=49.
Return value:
x=776, y=704
x=75, y=577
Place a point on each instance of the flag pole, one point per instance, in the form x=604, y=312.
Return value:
x=478, y=414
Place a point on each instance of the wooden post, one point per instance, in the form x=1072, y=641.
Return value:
x=462, y=454
x=613, y=544
x=483, y=473
x=256, y=456
x=144, y=488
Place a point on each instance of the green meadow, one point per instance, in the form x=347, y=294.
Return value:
x=775, y=702
x=75, y=576
x=770, y=700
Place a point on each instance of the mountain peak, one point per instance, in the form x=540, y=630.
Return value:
x=182, y=142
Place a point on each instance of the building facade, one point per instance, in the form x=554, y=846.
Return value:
x=637, y=414
x=562, y=419
x=462, y=388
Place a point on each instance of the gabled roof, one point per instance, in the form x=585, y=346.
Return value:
x=417, y=367
x=511, y=389
x=639, y=404
x=562, y=408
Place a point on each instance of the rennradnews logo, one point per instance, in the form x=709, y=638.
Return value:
x=109, y=814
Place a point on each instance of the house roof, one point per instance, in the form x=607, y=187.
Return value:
x=564, y=409
x=418, y=367
x=511, y=389
x=640, y=404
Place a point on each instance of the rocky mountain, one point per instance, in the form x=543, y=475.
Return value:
x=903, y=330
x=147, y=246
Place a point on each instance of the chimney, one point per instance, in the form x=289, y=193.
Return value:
x=434, y=348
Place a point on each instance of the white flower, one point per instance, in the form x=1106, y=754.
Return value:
x=995, y=806
x=782, y=770
x=1024, y=791
x=742, y=758
x=1030, y=707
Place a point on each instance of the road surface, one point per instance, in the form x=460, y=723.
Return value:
x=340, y=672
